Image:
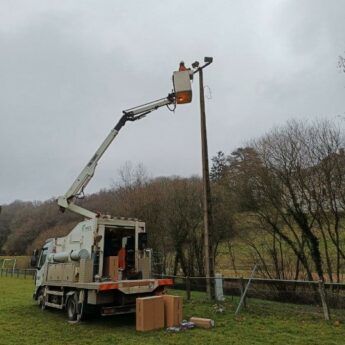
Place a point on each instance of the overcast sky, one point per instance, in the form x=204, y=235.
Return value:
x=69, y=68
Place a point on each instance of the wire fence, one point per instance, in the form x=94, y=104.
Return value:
x=27, y=273
x=292, y=291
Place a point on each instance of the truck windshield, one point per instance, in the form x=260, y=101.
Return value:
x=43, y=257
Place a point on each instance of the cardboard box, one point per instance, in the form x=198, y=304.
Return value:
x=149, y=313
x=200, y=322
x=111, y=267
x=173, y=310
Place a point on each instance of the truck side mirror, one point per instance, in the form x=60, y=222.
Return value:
x=34, y=257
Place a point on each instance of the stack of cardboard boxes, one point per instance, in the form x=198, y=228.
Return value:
x=158, y=312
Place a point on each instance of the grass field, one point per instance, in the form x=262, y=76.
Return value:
x=23, y=323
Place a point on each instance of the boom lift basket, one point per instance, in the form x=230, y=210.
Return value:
x=182, y=86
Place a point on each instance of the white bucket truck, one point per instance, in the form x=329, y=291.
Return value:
x=103, y=264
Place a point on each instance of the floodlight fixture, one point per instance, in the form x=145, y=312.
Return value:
x=195, y=64
x=208, y=59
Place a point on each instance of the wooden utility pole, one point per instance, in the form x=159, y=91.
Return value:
x=207, y=202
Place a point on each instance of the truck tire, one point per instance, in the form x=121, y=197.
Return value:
x=41, y=299
x=82, y=307
x=72, y=307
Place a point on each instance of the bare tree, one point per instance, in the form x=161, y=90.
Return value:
x=300, y=180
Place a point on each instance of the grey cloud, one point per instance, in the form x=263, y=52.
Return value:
x=68, y=69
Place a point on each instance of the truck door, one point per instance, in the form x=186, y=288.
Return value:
x=41, y=265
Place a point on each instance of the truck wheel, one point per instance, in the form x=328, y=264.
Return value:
x=72, y=308
x=82, y=308
x=41, y=299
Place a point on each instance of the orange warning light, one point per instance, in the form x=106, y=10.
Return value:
x=183, y=97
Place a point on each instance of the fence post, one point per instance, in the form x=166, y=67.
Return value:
x=323, y=300
x=188, y=287
x=218, y=284
x=246, y=290
x=25, y=274
x=242, y=288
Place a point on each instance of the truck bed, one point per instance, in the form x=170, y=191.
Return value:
x=125, y=286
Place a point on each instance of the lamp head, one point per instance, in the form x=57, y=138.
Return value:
x=195, y=64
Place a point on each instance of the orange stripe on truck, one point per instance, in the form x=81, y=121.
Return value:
x=165, y=282
x=109, y=286
x=114, y=286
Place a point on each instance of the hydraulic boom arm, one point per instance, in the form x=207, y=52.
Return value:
x=77, y=188
x=182, y=94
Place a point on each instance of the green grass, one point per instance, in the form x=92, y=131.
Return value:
x=23, y=323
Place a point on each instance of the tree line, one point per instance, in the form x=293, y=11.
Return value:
x=281, y=196
x=290, y=184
